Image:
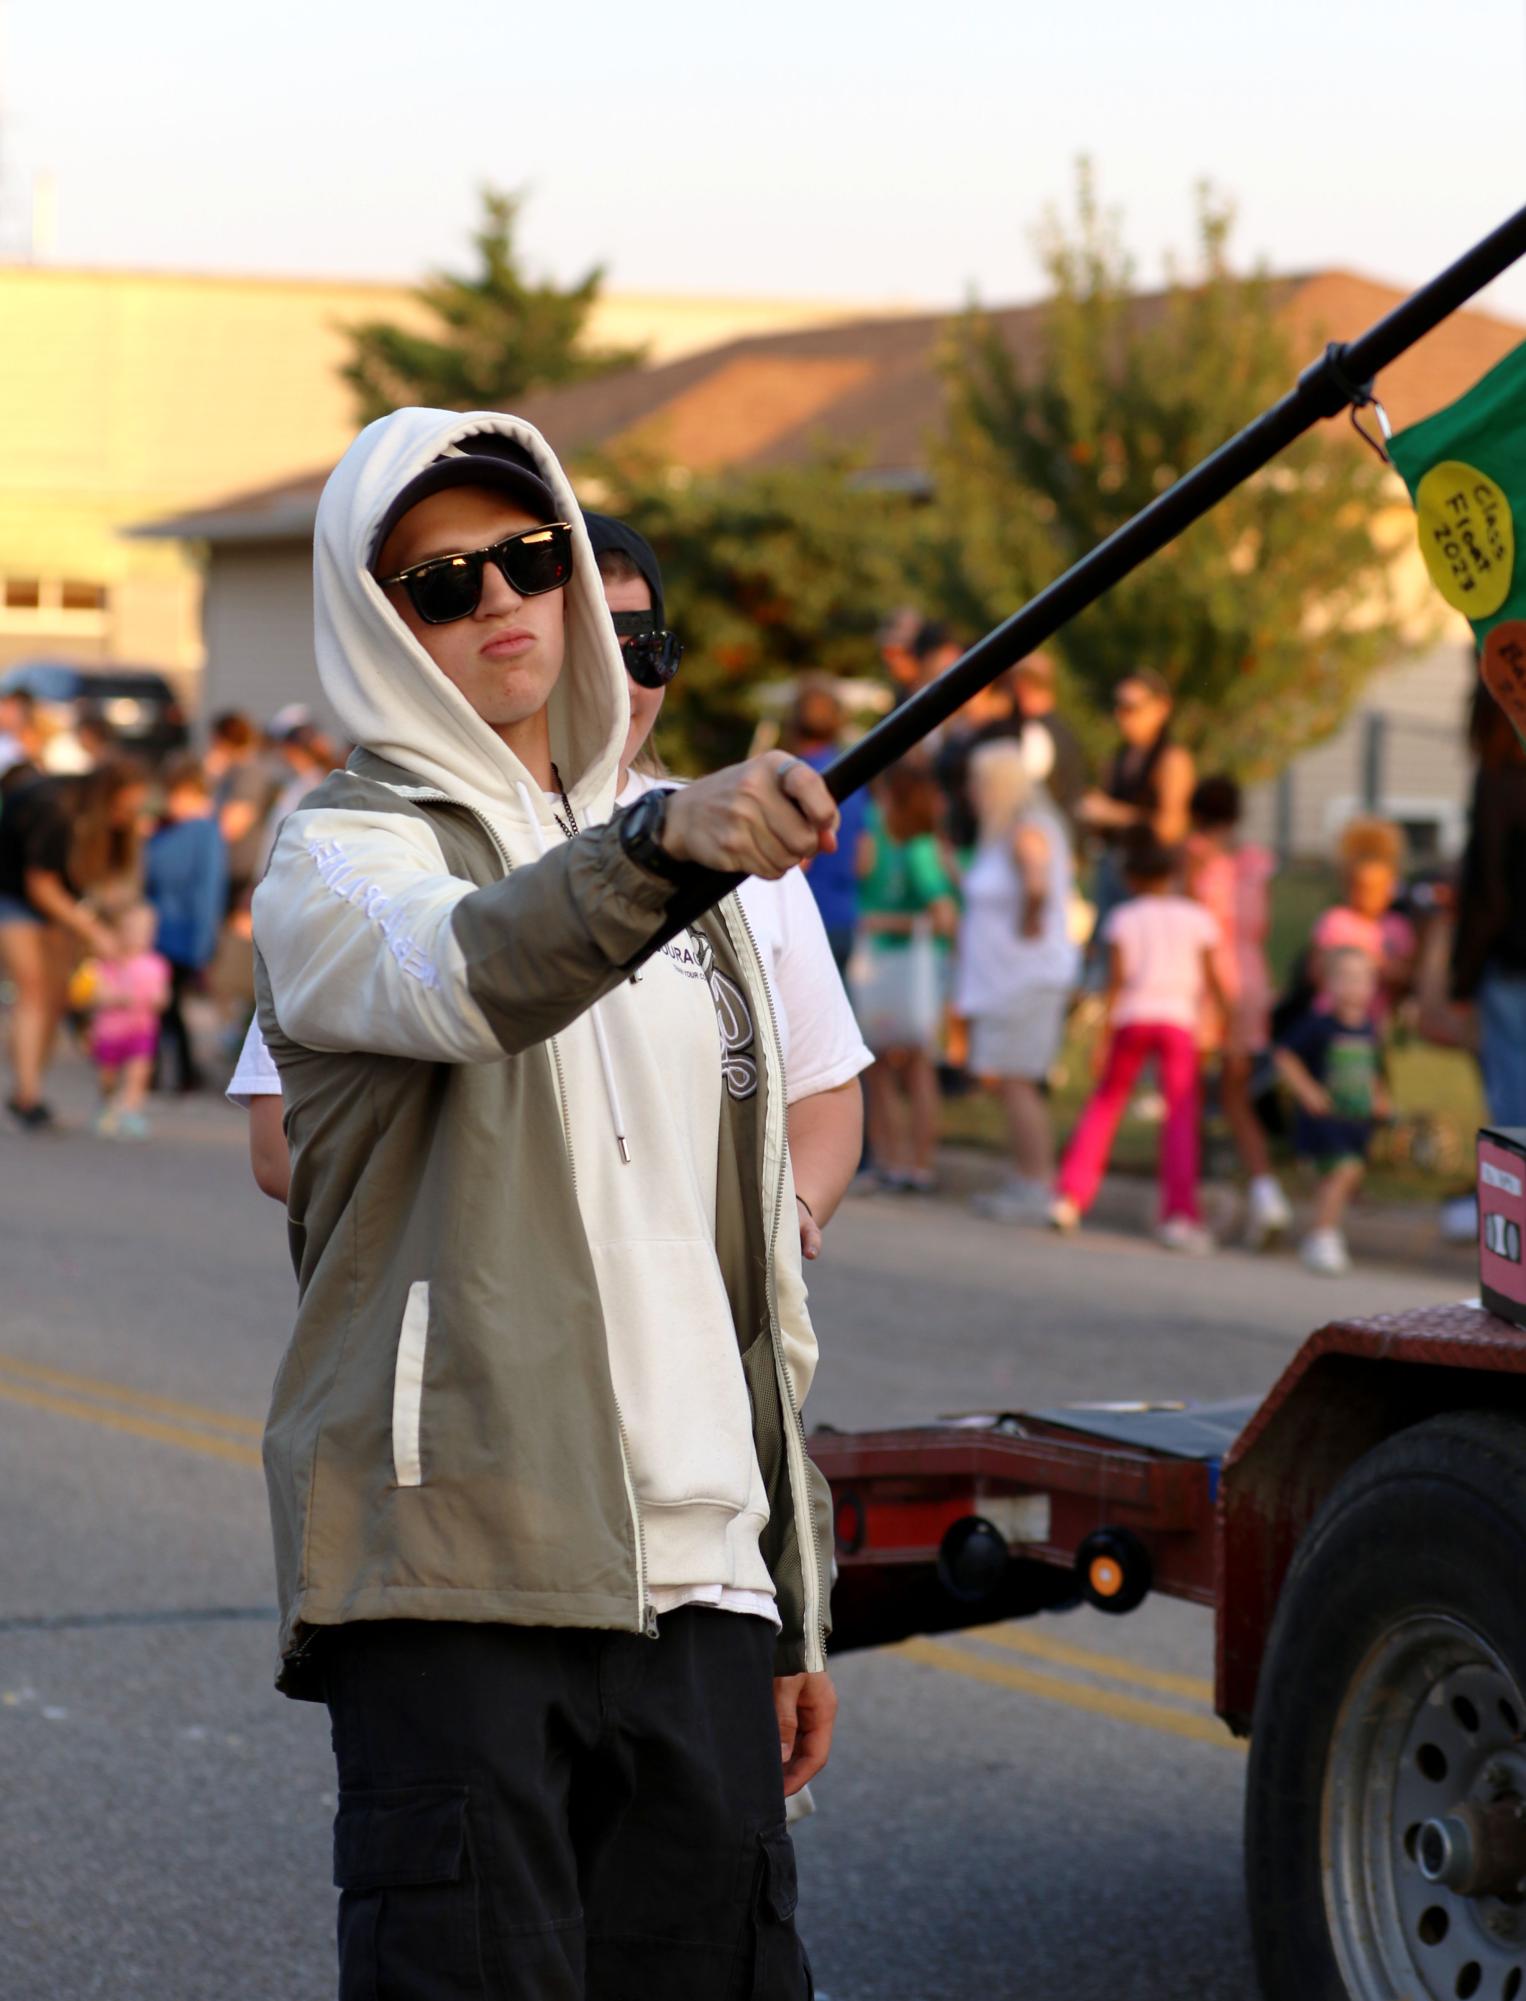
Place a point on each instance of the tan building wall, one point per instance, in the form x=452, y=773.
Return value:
x=1402, y=752
x=126, y=395
x=259, y=628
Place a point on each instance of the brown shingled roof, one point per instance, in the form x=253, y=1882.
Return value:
x=872, y=387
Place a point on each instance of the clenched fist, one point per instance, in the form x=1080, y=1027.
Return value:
x=759, y=818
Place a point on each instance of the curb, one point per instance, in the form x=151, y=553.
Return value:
x=1406, y=1234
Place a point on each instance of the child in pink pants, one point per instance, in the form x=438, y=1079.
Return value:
x=1160, y=947
x=126, y=995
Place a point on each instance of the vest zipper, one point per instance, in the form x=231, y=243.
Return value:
x=795, y=1452
x=646, y=1612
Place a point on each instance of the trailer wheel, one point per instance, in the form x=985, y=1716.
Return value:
x=1386, y=1800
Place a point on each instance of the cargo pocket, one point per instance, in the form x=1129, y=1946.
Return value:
x=408, y=1387
x=408, y=1896
x=780, y=1970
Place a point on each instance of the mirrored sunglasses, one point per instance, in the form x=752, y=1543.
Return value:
x=651, y=654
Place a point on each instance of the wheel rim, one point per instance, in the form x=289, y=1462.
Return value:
x=1431, y=1728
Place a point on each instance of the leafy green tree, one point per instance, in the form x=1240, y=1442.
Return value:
x=1266, y=615
x=500, y=333
x=768, y=575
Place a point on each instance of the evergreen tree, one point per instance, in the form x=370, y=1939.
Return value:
x=500, y=333
x=1267, y=614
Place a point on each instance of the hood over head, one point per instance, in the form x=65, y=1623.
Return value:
x=388, y=695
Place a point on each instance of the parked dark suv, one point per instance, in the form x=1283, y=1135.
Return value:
x=140, y=708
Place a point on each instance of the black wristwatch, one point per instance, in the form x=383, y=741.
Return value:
x=641, y=835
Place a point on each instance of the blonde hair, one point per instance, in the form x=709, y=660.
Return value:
x=1002, y=786
x=1371, y=841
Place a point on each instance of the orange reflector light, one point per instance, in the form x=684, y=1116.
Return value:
x=1106, y=1576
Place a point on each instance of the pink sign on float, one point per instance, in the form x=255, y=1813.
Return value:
x=1502, y=1221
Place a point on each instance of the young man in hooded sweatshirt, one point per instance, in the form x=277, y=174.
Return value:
x=547, y=1539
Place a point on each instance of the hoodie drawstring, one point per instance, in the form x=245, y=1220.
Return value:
x=601, y=1041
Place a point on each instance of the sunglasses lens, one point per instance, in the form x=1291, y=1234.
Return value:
x=651, y=658
x=447, y=591
x=537, y=562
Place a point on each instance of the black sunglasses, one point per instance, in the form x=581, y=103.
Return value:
x=651, y=654
x=532, y=562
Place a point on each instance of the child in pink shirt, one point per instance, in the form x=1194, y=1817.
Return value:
x=125, y=995
x=1161, y=948
x=1230, y=879
x=1371, y=852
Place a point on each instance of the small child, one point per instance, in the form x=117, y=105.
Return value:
x=1161, y=957
x=186, y=880
x=125, y=996
x=1331, y=1060
x=1229, y=878
x=1371, y=852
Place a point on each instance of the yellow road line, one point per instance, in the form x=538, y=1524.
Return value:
x=98, y=1386
x=1191, y=1687
x=205, y=1442
x=1074, y=1695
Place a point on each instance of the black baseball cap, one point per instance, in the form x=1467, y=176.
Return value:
x=488, y=459
x=606, y=533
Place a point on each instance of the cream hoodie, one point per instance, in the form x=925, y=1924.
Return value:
x=650, y=1056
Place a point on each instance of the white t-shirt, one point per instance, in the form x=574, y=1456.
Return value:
x=817, y=1031
x=1161, y=941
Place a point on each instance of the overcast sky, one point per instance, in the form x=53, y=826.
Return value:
x=829, y=148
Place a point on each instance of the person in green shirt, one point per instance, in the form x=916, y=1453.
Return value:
x=907, y=916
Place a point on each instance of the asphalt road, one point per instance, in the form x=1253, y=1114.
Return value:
x=1048, y=1808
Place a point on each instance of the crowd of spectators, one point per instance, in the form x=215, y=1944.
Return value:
x=124, y=900
x=1004, y=912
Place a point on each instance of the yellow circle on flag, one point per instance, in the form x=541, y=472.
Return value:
x=1467, y=537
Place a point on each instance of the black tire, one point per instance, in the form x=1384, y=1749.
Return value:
x=1427, y=1530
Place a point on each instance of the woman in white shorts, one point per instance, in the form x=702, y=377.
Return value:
x=1017, y=964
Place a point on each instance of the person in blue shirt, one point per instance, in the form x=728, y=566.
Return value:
x=186, y=880
x=815, y=725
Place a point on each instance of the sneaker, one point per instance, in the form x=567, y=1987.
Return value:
x=105, y=1121
x=1269, y=1216
x=1064, y=1216
x=1015, y=1201
x=1182, y=1234
x=1324, y=1251
x=31, y=1118
x=1459, y=1220
x=132, y=1125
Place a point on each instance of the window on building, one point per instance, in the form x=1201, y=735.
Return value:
x=1422, y=839
x=23, y=593
x=75, y=596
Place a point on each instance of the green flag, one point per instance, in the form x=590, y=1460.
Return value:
x=1465, y=468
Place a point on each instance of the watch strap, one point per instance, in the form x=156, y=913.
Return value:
x=641, y=835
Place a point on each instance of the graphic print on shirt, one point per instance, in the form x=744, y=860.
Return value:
x=739, y=1057
x=688, y=954
x=1351, y=1075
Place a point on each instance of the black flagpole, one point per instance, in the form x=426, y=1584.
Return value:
x=1342, y=376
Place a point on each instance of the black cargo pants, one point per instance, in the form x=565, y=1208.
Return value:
x=538, y=1814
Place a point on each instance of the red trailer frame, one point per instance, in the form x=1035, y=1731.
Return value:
x=976, y=1519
